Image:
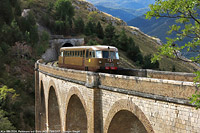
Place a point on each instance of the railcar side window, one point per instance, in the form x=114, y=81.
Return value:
x=87, y=53
x=98, y=54
x=90, y=54
x=93, y=54
x=105, y=54
x=65, y=53
x=117, y=55
x=83, y=53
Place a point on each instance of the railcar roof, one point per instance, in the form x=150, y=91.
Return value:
x=98, y=47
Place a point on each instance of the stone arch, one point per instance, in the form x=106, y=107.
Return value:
x=54, y=115
x=42, y=108
x=125, y=106
x=76, y=112
x=67, y=44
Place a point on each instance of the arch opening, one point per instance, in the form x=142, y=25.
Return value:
x=76, y=118
x=126, y=122
x=42, y=115
x=67, y=45
x=53, y=111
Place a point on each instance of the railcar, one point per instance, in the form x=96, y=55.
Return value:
x=89, y=58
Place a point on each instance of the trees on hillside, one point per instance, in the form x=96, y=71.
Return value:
x=64, y=13
x=186, y=13
x=64, y=9
x=99, y=31
x=79, y=25
x=5, y=123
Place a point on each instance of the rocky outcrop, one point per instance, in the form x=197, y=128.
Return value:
x=25, y=12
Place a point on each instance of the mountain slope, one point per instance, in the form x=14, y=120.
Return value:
x=147, y=44
x=120, y=13
x=159, y=28
x=153, y=27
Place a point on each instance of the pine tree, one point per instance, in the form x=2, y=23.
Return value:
x=6, y=13
x=90, y=28
x=99, y=31
x=79, y=25
x=110, y=35
x=134, y=52
x=64, y=8
x=148, y=64
x=123, y=40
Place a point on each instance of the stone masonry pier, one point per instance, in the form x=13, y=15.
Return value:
x=88, y=102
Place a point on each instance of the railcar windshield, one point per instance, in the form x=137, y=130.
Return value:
x=105, y=54
x=98, y=54
x=117, y=55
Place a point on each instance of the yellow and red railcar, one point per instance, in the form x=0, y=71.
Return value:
x=92, y=58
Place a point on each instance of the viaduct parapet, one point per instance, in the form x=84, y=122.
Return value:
x=88, y=102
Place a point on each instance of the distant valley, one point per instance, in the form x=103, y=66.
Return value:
x=153, y=27
x=158, y=28
x=123, y=9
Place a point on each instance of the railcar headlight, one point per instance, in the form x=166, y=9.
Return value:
x=100, y=62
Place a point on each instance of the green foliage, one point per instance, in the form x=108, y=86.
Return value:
x=186, y=13
x=34, y=37
x=4, y=91
x=195, y=99
x=44, y=43
x=99, y=31
x=16, y=33
x=50, y=6
x=92, y=16
x=134, y=52
x=92, y=42
x=60, y=27
x=110, y=35
x=11, y=33
x=14, y=28
x=29, y=29
x=4, y=47
x=173, y=68
x=148, y=64
x=90, y=28
x=79, y=25
x=64, y=8
x=6, y=13
x=64, y=15
x=123, y=40
x=45, y=20
x=5, y=124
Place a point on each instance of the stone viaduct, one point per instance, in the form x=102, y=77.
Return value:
x=79, y=101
